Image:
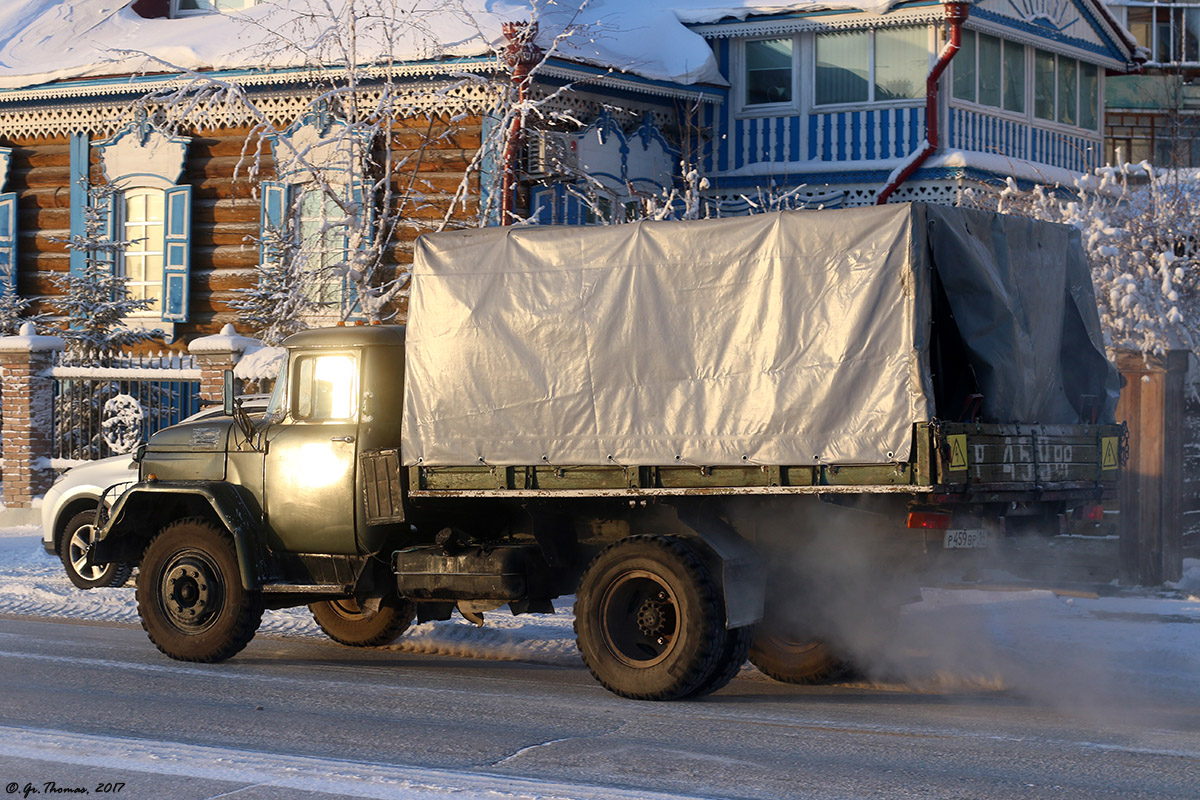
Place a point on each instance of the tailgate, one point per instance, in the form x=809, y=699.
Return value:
x=1016, y=457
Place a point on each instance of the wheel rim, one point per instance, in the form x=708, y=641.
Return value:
x=793, y=648
x=191, y=591
x=639, y=619
x=77, y=549
x=348, y=608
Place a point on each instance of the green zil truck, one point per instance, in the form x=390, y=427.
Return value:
x=722, y=437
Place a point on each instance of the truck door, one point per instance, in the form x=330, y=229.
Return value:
x=309, y=471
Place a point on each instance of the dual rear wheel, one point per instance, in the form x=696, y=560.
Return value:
x=650, y=625
x=650, y=621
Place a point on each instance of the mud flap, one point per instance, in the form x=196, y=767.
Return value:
x=743, y=579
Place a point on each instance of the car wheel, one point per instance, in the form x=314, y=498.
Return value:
x=77, y=538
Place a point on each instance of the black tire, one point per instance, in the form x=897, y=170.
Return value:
x=649, y=619
x=77, y=538
x=791, y=660
x=737, y=648
x=190, y=595
x=345, y=622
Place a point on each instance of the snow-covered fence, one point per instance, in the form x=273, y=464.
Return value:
x=36, y=386
x=1191, y=475
x=106, y=404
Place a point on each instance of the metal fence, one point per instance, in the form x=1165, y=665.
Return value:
x=106, y=404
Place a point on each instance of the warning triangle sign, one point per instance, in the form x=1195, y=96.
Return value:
x=1109, y=453
x=958, y=451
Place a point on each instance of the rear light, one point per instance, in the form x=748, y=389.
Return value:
x=929, y=520
x=1092, y=512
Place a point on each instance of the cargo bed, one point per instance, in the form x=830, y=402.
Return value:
x=975, y=462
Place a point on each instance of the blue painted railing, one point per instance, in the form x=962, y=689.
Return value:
x=988, y=133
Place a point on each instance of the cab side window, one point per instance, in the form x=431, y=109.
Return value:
x=326, y=387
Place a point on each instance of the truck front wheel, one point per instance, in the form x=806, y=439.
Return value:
x=190, y=595
x=649, y=620
x=354, y=625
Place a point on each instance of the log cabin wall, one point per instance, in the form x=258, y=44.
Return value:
x=40, y=174
x=431, y=155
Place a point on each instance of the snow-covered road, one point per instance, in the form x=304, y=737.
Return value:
x=983, y=695
x=952, y=637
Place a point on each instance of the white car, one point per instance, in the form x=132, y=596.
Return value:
x=69, y=508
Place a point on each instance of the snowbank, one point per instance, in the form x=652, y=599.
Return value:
x=1190, y=582
x=46, y=40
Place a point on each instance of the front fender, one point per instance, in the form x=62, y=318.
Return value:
x=146, y=507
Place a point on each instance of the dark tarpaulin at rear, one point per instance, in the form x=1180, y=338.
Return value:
x=1022, y=298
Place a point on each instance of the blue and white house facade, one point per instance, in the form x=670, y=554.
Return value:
x=828, y=103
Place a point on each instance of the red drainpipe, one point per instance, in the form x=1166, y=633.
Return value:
x=521, y=55
x=956, y=15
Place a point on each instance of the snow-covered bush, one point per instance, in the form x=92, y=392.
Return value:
x=121, y=424
x=278, y=303
x=1141, y=230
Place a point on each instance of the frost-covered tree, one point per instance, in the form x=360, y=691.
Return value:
x=278, y=303
x=357, y=154
x=94, y=418
x=1141, y=230
x=95, y=300
x=524, y=109
x=14, y=312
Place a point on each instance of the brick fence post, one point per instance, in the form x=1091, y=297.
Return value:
x=28, y=412
x=216, y=354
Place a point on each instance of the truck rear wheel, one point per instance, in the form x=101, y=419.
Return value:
x=351, y=624
x=795, y=660
x=737, y=647
x=190, y=595
x=649, y=620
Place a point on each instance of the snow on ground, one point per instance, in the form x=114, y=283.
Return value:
x=1065, y=650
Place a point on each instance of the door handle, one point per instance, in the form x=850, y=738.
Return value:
x=346, y=439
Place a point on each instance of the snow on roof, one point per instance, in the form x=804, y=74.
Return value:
x=48, y=40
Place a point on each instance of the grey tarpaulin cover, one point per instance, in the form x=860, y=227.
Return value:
x=787, y=338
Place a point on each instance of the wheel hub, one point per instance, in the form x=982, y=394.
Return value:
x=191, y=592
x=639, y=620
x=81, y=542
x=652, y=617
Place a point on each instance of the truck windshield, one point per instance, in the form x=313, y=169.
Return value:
x=275, y=407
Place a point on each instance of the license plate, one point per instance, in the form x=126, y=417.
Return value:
x=966, y=538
